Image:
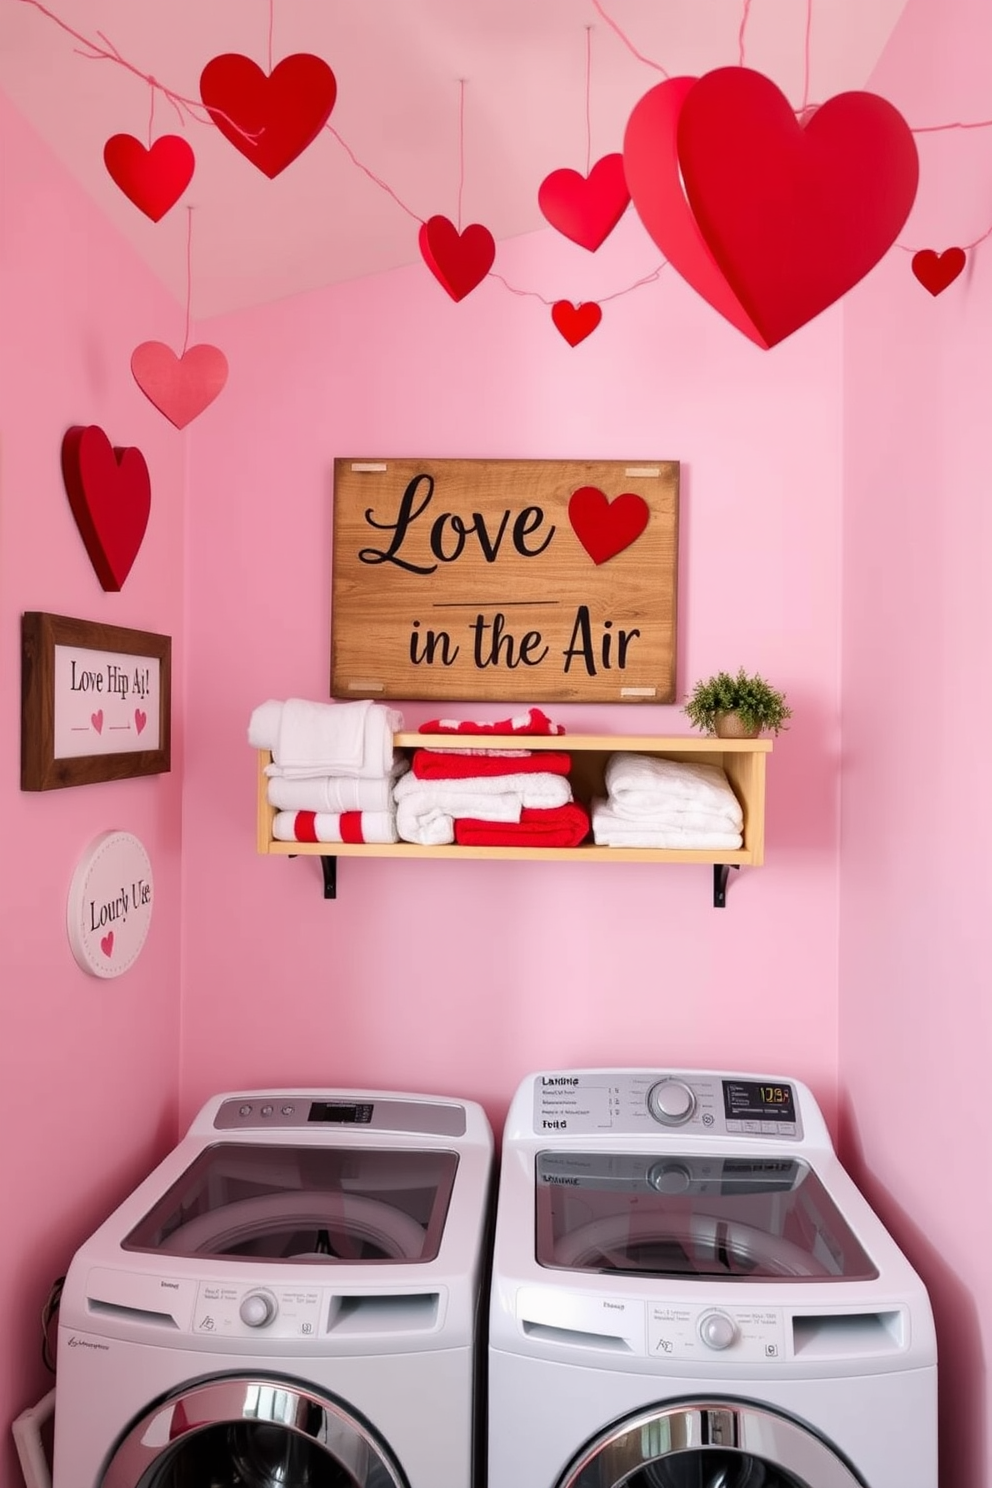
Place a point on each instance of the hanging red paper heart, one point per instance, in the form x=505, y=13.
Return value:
x=270, y=118
x=586, y=208
x=458, y=260
x=110, y=495
x=153, y=179
x=795, y=214
x=603, y=527
x=180, y=387
x=576, y=322
x=936, y=271
x=651, y=166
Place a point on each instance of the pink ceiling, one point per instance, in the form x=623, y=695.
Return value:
x=404, y=69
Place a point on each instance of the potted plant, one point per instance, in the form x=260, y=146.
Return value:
x=736, y=707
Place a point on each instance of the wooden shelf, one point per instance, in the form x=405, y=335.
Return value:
x=743, y=760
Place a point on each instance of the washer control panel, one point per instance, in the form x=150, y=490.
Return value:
x=226, y=1310
x=641, y=1102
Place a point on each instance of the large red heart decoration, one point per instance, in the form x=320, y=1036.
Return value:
x=586, y=208
x=458, y=260
x=795, y=214
x=153, y=179
x=180, y=387
x=110, y=495
x=604, y=527
x=576, y=322
x=936, y=271
x=270, y=118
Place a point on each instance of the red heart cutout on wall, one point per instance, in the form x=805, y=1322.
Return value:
x=270, y=118
x=603, y=527
x=576, y=322
x=153, y=179
x=107, y=943
x=180, y=387
x=586, y=208
x=110, y=495
x=458, y=260
x=936, y=271
x=795, y=214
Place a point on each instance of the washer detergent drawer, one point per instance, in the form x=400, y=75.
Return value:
x=250, y=1430
x=707, y=1444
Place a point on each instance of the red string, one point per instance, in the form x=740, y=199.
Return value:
x=271, y=25
x=740, y=34
x=377, y=180
x=628, y=43
x=151, y=117
x=533, y=294
x=189, y=274
x=588, y=94
x=461, y=148
x=806, y=42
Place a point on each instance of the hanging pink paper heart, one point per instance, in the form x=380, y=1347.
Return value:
x=110, y=495
x=586, y=208
x=270, y=118
x=936, y=271
x=795, y=214
x=604, y=527
x=458, y=260
x=576, y=322
x=153, y=179
x=651, y=166
x=180, y=387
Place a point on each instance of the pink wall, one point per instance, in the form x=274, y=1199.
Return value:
x=87, y=1067
x=461, y=978
x=916, y=936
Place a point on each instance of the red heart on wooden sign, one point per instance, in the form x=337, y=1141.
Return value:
x=651, y=166
x=180, y=387
x=458, y=260
x=936, y=271
x=795, y=214
x=110, y=494
x=576, y=322
x=153, y=179
x=604, y=527
x=586, y=208
x=270, y=118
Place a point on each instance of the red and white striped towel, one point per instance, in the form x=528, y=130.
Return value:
x=344, y=826
x=531, y=722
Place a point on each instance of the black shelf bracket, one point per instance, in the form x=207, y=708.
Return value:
x=330, y=867
x=721, y=873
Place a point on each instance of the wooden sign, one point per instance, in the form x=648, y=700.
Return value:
x=521, y=580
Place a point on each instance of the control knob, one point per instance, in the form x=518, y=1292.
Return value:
x=671, y=1102
x=670, y=1178
x=717, y=1330
x=257, y=1309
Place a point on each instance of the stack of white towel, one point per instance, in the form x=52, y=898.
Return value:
x=427, y=809
x=665, y=803
x=333, y=769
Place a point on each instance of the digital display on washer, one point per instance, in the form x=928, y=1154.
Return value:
x=341, y=1112
x=754, y=1100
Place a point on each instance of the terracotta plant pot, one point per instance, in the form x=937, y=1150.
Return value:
x=729, y=726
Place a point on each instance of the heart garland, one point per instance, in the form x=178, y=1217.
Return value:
x=110, y=495
x=586, y=209
x=576, y=322
x=153, y=179
x=270, y=118
x=770, y=219
x=603, y=527
x=936, y=271
x=458, y=260
x=180, y=387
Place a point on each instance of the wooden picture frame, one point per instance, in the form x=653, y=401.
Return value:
x=96, y=702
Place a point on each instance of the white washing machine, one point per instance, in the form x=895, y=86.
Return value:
x=690, y=1292
x=291, y=1298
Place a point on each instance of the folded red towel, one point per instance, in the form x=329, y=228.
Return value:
x=539, y=826
x=431, y=764
x=533, y=722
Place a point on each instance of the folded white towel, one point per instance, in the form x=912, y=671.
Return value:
x=426, y=810
x=611, y=830
x=333, y=793
x=312, y=739
x=321, y=826
x=640, y=783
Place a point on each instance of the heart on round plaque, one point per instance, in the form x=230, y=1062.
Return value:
x=586, y=209
x=603, y=527
x=180, y=387
x=153, y=179
x=576, y=322
x=270, y=117
x=110, y=495
x=936, y=271
x=458, y=260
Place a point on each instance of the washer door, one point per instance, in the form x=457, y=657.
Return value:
x=250, y=1432
x=711, y=1444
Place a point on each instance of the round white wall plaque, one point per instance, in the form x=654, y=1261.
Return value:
x=110, y=904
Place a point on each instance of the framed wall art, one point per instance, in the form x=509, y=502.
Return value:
x=95, y=702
